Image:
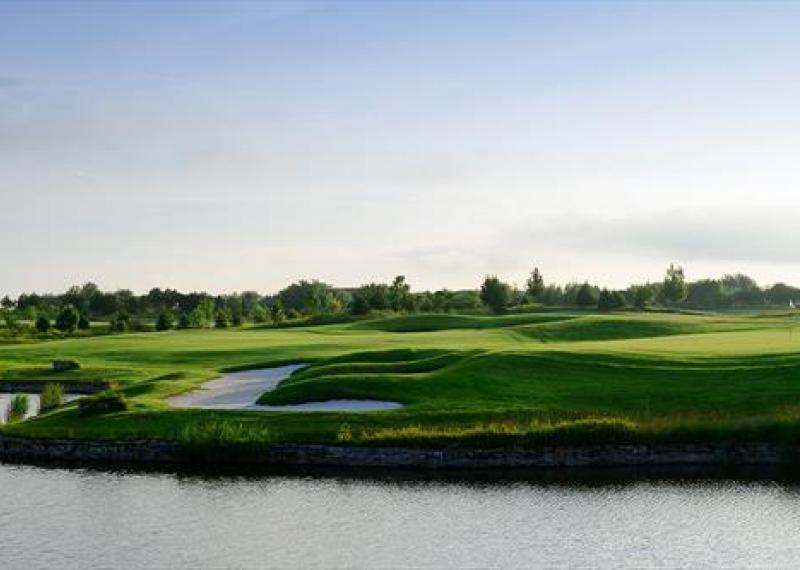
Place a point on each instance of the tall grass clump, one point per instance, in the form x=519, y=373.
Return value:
x=345, y=434
x=582, y=431
x=17, y=408
x=52, y=397
x=222, y=433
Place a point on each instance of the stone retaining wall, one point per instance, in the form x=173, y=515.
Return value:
x=607, y=455
x=36, y=386
x=163, y=452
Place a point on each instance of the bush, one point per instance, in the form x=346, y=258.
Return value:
x=67, y=319
x=17, y=408
x=52, y=397
x=276, y=312
x=166, y=320
x=184, y=322
x=260, y=314
x=42, y=324
x=103, y=403
x=120, y=323
x=64, y=365
x=83, y=323
x=222, y=318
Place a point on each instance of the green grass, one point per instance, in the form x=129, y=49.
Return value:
x=520, y=379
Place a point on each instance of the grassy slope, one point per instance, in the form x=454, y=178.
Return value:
x=518, y=379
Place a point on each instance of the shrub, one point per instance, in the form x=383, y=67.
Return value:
x=83, y=323
x=166, y=320
x=184, y=322
x=52, y=397
x=120, y=323
x=42, y=324
x=64, y=365
x=17, y=408
x=103, y=403
x=359, y=305
x=276, y=312
x=67, y=318
x=260, y=314
x=222, y=318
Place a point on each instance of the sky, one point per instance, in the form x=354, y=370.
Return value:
x=231, y=146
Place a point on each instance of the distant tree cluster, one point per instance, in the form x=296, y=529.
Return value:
x=74, y=311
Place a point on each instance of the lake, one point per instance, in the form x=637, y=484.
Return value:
x=93, y=519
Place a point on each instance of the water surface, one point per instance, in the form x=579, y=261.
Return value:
x=94, y=519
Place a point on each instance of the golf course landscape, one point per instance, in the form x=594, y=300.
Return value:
x=547, y=377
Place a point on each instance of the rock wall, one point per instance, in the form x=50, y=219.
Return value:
x=163, y=452
x=76, y=451
x=607, y=455
x=36, y=386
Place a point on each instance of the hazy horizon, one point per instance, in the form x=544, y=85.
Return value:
x=226, y=147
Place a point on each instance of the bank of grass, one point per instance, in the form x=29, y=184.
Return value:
x=516, y=380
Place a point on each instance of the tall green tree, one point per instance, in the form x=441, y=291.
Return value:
x=674, y=288
x=202, y=315
x=534, y=285
x=276, y=312
x=641, y=295
x=610, y=300
x=585, y=296
x=259, y=314
x=400, y=298
x=222, y=318
x=495, y=294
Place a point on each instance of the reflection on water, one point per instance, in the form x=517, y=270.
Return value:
x=85, y=519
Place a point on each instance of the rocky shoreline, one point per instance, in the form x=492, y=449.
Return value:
x=154, y=453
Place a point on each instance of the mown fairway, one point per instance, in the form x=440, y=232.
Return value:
x=514, y=379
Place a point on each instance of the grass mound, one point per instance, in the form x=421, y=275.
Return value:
x=107, y=402
x=361, y=376
x=620, y=327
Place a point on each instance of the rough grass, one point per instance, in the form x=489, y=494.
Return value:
x=521, y=379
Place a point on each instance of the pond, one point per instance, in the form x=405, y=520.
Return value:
x=97, y=519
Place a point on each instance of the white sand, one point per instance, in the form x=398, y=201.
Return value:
x=240, y=390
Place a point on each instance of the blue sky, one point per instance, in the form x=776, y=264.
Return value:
x=229, y=146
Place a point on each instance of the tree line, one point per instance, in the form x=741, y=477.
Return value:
x=162, y=309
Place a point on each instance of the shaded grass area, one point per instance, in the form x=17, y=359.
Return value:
x=92, y=375
x=522, y=379
x=437, y=322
